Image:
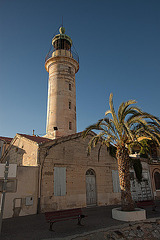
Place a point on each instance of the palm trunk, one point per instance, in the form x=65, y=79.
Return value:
x=122, y=154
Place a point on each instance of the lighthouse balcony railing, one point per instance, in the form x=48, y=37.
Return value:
x=62, y=52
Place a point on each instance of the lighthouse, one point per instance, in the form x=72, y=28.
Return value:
x=62, y=64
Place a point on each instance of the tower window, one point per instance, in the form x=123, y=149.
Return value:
x=70, y=88
x=70, y=126
x=69, y=105
x=69, y=69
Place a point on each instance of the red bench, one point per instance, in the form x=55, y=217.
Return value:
x=146, y=203
x=63, y=215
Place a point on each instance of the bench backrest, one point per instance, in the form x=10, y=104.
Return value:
x=62, y=214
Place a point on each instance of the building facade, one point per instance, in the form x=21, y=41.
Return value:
x=59, y=174
x=71, y=179
x=54, y=172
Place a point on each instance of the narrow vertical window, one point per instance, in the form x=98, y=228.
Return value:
x=70, y=88
x=69, y=105
x=70, y=126
x=69, y=69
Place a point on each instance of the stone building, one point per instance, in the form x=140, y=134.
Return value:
x=67, y=177
x=62, y=64
x=60, y=174
x=22, y=189
x=54, y=172
x=72, y=179
x=4, y=144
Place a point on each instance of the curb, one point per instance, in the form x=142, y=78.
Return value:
x=129, y=224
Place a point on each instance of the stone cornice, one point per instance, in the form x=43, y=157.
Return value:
x=60, y=59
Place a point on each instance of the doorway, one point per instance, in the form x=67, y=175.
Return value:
x=91, y=194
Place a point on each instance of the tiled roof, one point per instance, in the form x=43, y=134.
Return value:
x=35, y=138
x=6, y=139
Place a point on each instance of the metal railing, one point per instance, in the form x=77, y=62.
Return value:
x=62, y=52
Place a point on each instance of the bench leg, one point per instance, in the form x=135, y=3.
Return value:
x=79, y=220
x=50, y=227
x=154, y=208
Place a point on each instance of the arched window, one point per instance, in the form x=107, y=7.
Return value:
x=90, y=172
x=157, y=180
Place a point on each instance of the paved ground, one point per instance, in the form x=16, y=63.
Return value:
x=142, y=230
x=34, y=227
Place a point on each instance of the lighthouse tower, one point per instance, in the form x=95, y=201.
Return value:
x=62, y=64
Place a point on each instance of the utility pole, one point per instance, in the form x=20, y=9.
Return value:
x=4, y=189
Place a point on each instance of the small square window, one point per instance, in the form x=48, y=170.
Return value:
x=70, y=87
x=70, y=126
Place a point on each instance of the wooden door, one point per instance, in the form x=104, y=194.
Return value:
x=91, y=196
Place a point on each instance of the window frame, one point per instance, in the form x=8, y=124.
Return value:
x=70, y=125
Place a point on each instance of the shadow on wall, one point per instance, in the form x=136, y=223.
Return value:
x=22, y=189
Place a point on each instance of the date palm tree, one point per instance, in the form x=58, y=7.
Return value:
x=122, y=130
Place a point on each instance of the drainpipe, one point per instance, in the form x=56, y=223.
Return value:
x=39, y=180
x=41, y=164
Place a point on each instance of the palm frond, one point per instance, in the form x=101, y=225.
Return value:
x=129, y=133
x=116, y=123
x=108, y=112
x=125, y=129
x=123, y=107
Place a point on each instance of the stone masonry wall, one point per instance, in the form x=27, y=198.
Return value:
x=61, y=110
x=72, y=154
x=23, y=152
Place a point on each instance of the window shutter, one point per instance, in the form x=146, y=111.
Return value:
x=60, y=181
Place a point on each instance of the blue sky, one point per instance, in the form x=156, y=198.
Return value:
x=118, y=42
